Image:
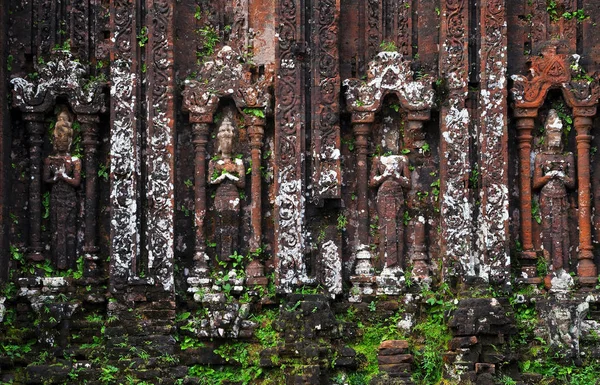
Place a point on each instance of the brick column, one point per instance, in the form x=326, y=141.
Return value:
x=90, y=143
x=200, y=131
x=255, y=271
x=525, y=127
x=586, y=269
x=361, y=135
x=35, y=129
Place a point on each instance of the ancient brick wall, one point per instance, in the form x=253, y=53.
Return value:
x=298, y=191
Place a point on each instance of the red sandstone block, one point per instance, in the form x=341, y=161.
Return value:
x=395, y=359
x=394, y=344
x=462, y=342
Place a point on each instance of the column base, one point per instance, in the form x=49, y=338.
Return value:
x=586, y=267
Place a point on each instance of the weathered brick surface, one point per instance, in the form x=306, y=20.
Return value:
x=330, y=164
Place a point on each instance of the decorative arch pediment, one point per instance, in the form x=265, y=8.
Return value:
x=226, y=75
x=60, y=76
x=389, y=73
x=554, y=70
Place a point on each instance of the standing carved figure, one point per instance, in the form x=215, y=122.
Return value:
x=229, y=174
x=554, y=173
x=390, y=173
x=63, y=172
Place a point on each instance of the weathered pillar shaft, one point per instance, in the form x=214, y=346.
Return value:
x=361, y=135
x=493, y=151
x=525, y=127
x=455, y=161
x=90, y=144
x=200, y=140
x=585, y=267
x=417, y=249
x=256, y=133
x=35, y=128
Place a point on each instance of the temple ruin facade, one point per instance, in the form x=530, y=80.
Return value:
x=299, y=192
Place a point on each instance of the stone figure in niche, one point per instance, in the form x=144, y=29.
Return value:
x=554, y=173
x=229, y=174
x=63, y=172
x=391, y=175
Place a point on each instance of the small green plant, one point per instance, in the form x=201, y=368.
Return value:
x=210, y=38
x=9, y=62
x=542, y=266
x=185, y=210
x=256, y=112
x=578, y=15
x=373, y=306
x=188, y=183
x=388, y=46
x=349, y=143
x=474, y=177
x=103, y=172
x=535, y=211
x=342, y=222
x=406, y=218
x=506, y=380
x=108, y=374
x=142, y=36
x=552, y=9
x=435, y=332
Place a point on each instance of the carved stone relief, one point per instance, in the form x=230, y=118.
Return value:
x=389, y=74
x=553, y=70
x=62, y=77
x=63, y=172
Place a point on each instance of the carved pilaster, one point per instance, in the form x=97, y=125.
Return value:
x=35, y=129
x=455, y=167
x=255, y=271
x=125, y=146
x=417, y=243
x=525, y=125
x=90, y=144
x=493, y=137
x=200, y=131
x=586, y=269
x=361, y=133
x=289, y=149
x=327, y=174
x=160, y=153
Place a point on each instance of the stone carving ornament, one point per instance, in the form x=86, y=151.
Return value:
x=554, y=173
x=228, y=174
x=391, y=176
x=63, y=172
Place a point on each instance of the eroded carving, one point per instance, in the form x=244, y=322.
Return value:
x=554, y=173
x=553, y=70
x=390, y=175
x=63, y=172
x=228, y=174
